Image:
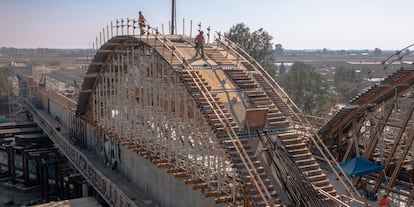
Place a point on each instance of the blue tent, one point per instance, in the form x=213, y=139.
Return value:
x=359, y=166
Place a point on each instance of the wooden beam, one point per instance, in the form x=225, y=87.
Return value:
x=400, y=161
x=411, y=199
x=372, y=98
x=394, y=147
x=374, y=138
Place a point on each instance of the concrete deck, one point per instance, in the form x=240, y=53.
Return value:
x=87, y=201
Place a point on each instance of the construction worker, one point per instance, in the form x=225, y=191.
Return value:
x=362, y=186
x=57, y=126
x=199, y=44
x=384, y=201
x=141, y=22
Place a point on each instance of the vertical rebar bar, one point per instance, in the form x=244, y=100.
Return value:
x=107, y=32
x=133, y=27
x=173, y=20
x=103, y=35
x=112, y=29
x=183, y=26
x=208, y=34
x=127, y=25
x=191, y=28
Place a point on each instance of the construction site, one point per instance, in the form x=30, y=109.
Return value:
x=150, y=124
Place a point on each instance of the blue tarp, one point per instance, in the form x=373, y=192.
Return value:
x=359, y=166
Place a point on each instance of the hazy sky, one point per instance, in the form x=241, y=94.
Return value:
x=296, y=24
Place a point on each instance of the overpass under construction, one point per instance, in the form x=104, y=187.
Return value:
x=152, y=122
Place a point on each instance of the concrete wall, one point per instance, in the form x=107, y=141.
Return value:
x=163, y=188
x=54, y=109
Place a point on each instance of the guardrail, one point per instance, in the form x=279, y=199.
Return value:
x=109, y=191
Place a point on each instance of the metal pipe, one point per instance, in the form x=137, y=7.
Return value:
x=173, y=20
x=127, y=26
x=191, y=28
x=112, y=29
x=122, y=26
x=183, y=26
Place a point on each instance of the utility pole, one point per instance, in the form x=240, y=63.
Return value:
x=173, y=16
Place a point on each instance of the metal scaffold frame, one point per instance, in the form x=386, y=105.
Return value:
x=140, y=100
x=128, y=103
x=301, y=125
x=377, y=124
x=141, y=93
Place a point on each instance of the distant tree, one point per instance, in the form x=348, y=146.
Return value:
x=347, y=90
x=377, y=52
x=308, y=88
x=258, y=44
x=241, y=35
x=282, y=68
x=279, y=51
x=346, y=83
x=344, y=74
x=3, y=84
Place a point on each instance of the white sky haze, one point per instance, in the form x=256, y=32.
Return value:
x=296, y=24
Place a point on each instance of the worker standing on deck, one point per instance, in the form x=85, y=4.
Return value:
x=199, y=44
x=57, y=126
x=362, y=186
x=141, y=22
x=384, y=201
x=57, y=123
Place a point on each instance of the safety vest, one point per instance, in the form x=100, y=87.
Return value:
x=141, y=19
x=199, y=39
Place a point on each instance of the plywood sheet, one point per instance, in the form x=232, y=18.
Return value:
x=217, y=79
x=229, y=97
x=256, y=118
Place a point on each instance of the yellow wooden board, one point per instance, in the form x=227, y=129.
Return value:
x=229, y=97
x=217, y=79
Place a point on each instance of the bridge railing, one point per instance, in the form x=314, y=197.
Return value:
x=109, y=191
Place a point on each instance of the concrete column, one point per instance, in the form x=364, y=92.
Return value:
x=77, y=187
x=67, y=188
x=84, y=189
x=61, y=192
x=57, y=178
x=10, y=163
x=41, y=179
x=25, y=158
x=45, y=182
x=38, y=171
